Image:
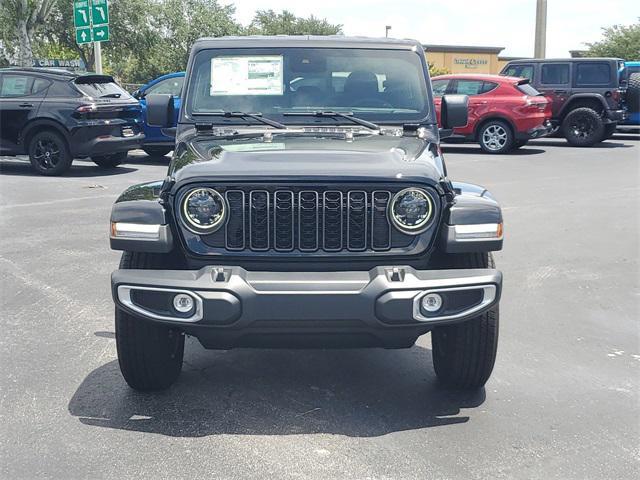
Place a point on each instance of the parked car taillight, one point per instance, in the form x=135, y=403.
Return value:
x=538, y=103
x=92, y=107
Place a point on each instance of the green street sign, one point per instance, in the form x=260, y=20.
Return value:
x=99, y=12
x=91, y=18
x=81, y=15
x=101, y=33
x=83, y=35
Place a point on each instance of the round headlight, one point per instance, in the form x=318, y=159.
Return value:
x=203, y=210
x=411, y=209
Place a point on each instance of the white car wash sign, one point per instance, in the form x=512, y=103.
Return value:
x=250, y=75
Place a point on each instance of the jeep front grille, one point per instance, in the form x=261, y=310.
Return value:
x=308, y=219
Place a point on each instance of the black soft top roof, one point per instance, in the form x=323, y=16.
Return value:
x=305, y=41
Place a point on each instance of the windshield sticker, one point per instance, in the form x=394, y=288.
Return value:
x=254, y=75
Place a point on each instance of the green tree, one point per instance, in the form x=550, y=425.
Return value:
x=268, y=22
x=21, y=20
x=182, y=22
x=621, y=41
x=435, y=71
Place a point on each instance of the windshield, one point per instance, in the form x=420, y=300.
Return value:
x=374, y=84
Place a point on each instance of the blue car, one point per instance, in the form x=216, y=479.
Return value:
x=632, y=95
x=157, y=143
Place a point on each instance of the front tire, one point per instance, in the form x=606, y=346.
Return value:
x=49, y=154
x=110, y=161
x=583, y=127
x=464, y=353
x=495, y=136
x=150, y=355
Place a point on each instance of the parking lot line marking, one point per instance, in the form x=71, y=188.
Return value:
x=62, y=200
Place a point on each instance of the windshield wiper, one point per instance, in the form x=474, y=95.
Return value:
x=257, y=116
x=348, y=115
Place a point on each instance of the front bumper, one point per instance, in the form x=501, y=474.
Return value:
x=238, y=308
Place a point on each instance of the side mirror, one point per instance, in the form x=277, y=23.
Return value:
x=136, y=94
x=160, y=110
x=455, y=111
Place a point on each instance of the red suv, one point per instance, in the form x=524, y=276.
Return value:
x=504, y=112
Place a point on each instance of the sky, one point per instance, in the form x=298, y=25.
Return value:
x=494, y=23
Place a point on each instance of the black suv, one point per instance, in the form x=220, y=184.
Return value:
x=307, y=204
x=55, y=116
x=585, y=94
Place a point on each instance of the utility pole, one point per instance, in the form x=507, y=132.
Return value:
x=97, y=53
x=540, y=45
x=386, y=30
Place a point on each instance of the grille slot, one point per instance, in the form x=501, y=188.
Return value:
x=332, y=221
x=235, y=225
x=380, y=228
x=308, y=219
x=283, y=227
x=259, y=220
x=357, y=221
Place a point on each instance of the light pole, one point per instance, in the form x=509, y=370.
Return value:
x=97, y=53
x=540, y=45
x=386, y=30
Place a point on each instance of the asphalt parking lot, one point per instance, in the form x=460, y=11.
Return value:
x=563, y=401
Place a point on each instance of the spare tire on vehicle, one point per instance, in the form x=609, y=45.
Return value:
x=632, y=97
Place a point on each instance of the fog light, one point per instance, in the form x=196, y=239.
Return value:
x=431, y=302
x=183, y=303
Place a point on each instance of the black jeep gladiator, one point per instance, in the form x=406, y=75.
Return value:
x=307, y=204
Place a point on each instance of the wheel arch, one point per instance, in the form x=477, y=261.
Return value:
x=589, y=100
x=41, y=124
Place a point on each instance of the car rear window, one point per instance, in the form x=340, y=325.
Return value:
x=527, y=89
x=100, y=89
x=593, y=73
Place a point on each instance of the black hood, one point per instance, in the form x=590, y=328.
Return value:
x=304, y=157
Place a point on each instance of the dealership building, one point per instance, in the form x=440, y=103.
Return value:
x=466, y=59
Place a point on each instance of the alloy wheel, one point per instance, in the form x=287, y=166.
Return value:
x=583, y=126
x=47, y=153
x=494, y=137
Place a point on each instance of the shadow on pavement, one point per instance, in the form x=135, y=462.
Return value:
x=560, y=142
x=453, y=148
x=357, y=393
x=78, y=169
x=148, y=160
